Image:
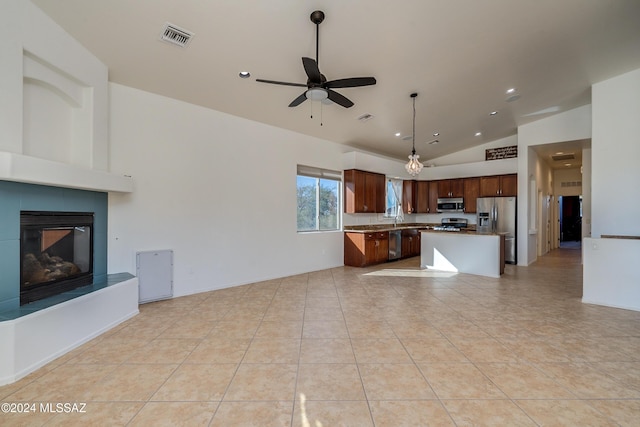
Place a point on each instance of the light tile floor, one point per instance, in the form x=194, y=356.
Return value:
x=385, y=346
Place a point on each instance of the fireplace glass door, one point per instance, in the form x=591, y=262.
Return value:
x=56, y=253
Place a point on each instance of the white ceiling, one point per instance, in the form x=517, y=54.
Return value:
x=460, y=56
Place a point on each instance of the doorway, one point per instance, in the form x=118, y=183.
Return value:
x=570, y=218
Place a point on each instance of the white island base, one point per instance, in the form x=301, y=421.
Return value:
x=462, y=253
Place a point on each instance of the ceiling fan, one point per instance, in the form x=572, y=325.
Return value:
x=318, y=88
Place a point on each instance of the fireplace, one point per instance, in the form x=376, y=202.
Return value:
x=56, y=253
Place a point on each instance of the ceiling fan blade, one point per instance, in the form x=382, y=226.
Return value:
x=299, y=100
x=312, y=70
x=339, y=99
x=351, y=82
x=273, y=82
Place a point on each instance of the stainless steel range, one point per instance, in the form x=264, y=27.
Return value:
x=451, y=224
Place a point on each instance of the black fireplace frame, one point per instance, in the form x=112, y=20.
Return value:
x=40, y=219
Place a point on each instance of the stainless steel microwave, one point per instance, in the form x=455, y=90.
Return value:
x=454, y=204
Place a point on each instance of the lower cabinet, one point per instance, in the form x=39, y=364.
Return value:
x=410, y=243
x=361, y=249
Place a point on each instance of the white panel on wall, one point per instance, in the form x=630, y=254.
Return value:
x=154, y=270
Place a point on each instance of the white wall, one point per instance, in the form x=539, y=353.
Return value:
x=54, y=87
x=616, y=155
x=473, y=154
x=217, y=189
x=611, y=274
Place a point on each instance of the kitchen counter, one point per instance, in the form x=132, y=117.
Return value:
x=463, y=252
x=372, y=228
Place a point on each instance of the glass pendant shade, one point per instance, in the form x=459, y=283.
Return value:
x=414, y=167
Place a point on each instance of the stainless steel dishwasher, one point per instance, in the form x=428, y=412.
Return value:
x=395, y=244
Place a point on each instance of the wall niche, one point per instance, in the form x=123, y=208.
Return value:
x=57, y=112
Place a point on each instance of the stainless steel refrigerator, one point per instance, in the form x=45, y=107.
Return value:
x=498, y=215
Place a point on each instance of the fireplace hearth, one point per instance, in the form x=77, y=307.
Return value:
x=56, y=253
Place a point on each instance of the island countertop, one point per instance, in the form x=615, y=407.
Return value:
x=372, y=228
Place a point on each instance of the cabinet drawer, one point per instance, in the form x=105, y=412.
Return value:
x=377, y=236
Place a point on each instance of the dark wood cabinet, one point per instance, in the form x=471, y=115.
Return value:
x=409, y=196
x=364, y=192
x=509, y=185
x=427, y=194
x=499, y=185
x=471, y=194
x=362, y=249
x=410, y=243
x=451, y=188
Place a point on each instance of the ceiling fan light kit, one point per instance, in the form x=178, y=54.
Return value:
x=414, y=167
x=318, y=88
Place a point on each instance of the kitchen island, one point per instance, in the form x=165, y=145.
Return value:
x=463, y=252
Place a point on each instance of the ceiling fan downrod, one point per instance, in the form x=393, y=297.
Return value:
x=317, y=17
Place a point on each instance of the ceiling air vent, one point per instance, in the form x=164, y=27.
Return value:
x=561, y=157
x=176, y=35
x=365, y=117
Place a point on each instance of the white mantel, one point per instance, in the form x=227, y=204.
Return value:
x=32, y=170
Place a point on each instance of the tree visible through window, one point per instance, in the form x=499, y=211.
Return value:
x=318, y=194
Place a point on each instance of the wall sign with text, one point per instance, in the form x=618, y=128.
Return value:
x=501, y=153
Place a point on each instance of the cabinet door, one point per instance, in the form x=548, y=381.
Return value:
x=444, y=188
x=471, y=192
x=382, y=247
x=379, y=202
x=433, y=197
x=416, y=243
x=370, y=250
x=456, y=187
x=422, y=194
x=354, y=191
x=354, y=249
x=509, y=185
x=409, y=199
x=490, y=186
x=370, y=192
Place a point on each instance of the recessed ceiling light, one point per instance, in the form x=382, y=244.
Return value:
x=244, y=74
x=567, y=164
x=478, y=133
x=512, y=90
x=398, y=134
x=436, y=134
x=559, y=152
x=493, y=113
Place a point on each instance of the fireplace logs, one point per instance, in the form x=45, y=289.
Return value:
x=46, y=268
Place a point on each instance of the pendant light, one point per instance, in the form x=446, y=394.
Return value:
x=414, y=166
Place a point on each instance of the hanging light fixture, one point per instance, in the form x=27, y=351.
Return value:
x=414, y=166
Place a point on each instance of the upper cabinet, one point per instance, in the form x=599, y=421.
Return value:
x=451, y=188
x=364, y=192
x=427, y=195
x=471, y=193
x=499, y=185
x=409, y=196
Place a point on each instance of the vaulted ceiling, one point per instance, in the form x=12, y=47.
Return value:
x=460, y=56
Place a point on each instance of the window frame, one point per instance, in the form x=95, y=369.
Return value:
x=319, y=175
x=397, y=196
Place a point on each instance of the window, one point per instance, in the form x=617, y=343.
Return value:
x=394, y=198
x=318, y=199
